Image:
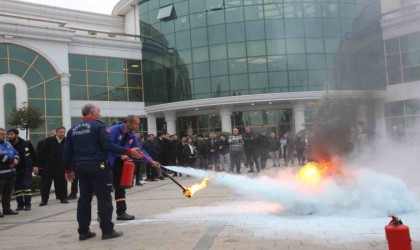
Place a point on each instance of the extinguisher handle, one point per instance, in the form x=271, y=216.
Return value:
x=395, y=220
x=393, y=217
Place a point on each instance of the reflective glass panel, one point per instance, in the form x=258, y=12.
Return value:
x=275, y=29
x=78, y=92
x=235, y=32
x=98, y=93
x=255, y=30
x=96, y=63
x=53, y=89
x=53, y=107
x=236, y=50
x=97, y=78
x=234, y=14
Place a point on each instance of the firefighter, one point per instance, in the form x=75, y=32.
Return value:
x=87, y=147
x=123, y=134
x=9, y=159
x=27, y=164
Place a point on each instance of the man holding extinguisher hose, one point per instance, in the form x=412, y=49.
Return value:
x=124, y=135
x=87, y=148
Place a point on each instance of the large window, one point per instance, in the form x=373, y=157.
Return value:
x=105, y=79
x=44, y=86
x=403, y=116
x=403, y=59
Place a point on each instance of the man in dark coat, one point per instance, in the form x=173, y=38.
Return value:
x=52, y=159
x=151, y=147
x=251, y=150
x=28, y=163
x=262, y=148
x=214, y=159
x=176, y=152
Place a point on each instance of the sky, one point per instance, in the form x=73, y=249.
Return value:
x=97, y=6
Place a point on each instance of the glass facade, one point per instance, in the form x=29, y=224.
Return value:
x=403, y=59
x=105, y=79
x=277, y=121
x=44, y=86
x=239, y=47
x=405, y=115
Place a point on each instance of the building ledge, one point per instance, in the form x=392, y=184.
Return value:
x=246, y=100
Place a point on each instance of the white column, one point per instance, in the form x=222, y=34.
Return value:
x=226, y=117
x=380, y=127
x=170, y=118
x=65, y=99
x=299, y=116
x=151, y=123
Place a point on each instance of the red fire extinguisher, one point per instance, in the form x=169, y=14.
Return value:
x=397, y=235
x=127, y=174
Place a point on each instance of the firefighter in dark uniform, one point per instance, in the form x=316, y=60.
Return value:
x=87, y=147
x=9, y=159
x=28, y=163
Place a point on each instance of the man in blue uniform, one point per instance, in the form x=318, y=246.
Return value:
x=124, y=135
x=9, y=158
x=87, y=147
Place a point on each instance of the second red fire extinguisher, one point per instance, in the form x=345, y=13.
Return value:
x=127, y=174
x=397, y=235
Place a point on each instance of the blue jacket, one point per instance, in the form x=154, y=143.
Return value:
x=88, y=142
x=117, y=134
x=7, y=154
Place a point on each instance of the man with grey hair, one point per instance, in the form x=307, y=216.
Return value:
x=88, y=146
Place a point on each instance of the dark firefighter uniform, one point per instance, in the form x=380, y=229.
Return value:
x=23, y=183
x=7, y=174
x=126, y=140
x=87, y=146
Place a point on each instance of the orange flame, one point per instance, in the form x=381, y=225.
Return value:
x=313, y=172
x=188, y=192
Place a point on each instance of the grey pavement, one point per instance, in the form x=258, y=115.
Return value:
x=215, y=218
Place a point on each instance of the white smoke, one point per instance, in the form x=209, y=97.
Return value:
x=367, y=194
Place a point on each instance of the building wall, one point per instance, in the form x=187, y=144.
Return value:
x=37, y=45
x=401, y=32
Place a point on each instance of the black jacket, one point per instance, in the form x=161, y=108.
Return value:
x=27, y=155
x=212, y=145
x=151, y=147
x=273, y=144
x=52, y=156
x=249, y=140
x=223, y=147
x=262, y=142
x=89, y=142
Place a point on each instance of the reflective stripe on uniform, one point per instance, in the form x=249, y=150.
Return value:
x=18, y=193
x=6, y=171
x=119, y=200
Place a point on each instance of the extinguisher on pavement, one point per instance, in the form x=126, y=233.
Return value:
x=127, y=174
x=397, y=235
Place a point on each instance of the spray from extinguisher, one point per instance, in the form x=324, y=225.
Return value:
x=397, y=235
